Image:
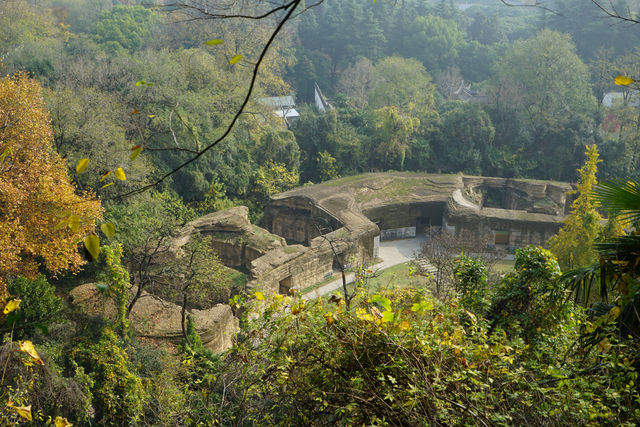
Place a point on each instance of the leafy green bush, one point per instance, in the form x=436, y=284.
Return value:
x=470, y=281
x=402, y=358
x=119, y=395
x=39, y=303
x=530, y=300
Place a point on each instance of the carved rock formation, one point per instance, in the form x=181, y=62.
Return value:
x=152, y=317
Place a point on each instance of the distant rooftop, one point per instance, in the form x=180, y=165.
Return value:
x=287, y=113
x=617, y=98
x=279, y=102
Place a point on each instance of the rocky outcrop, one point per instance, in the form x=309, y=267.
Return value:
x=234, y=238
x=152, y=317
x=403, y=204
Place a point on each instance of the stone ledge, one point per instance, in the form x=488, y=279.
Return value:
x=152, y=317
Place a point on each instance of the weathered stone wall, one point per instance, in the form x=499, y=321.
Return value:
x=297, y=266
x=154, y=318
x=291, y=219
x=235, y=251
x=293, y=267
x=406, y=215
x=236, y=241
x=520, y=233
x=524, y=228
x=296, y=219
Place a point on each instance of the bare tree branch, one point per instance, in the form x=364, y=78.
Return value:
x=290, y=8
x=612, y=12
x=347, y=297
x=536, y=4
x=202, y=11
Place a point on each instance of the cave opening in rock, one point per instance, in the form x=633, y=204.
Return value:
x=285, y=285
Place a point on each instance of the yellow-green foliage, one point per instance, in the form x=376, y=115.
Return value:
x=404, y=358
x=119, y=284
x=573, y=245
x=273, y=178
x=119, y=395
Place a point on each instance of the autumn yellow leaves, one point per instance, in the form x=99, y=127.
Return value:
x=44, y=217
x=623, y=80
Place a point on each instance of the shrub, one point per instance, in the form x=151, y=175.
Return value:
x=530, y=300
x=402, y=358
x=119, y=395
x=470, y=281
x=39, y=302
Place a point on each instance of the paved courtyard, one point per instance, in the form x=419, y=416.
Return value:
x=392, y=252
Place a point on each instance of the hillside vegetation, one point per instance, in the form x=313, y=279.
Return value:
x=123, y=120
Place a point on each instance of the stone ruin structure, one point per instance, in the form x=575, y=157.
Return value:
x=271, y=263
x=353, y=214
x=349, y=216
x=362, y=210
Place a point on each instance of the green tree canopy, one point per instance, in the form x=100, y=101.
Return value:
x=542, y=101
x=433, y=40
x=394, y=133
x=545, y=81
x=125, y=27
x=403, y=83
x=464, y=134
x=486, y=29
x=278, y=147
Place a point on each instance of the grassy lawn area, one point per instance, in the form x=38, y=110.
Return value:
x=400, y=276
x=392, y=277
x=396, y=276
x=503, y=266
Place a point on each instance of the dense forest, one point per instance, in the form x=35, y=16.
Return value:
x=122, y=120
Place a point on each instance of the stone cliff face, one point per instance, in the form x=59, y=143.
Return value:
x=403, y=204
x=235, y=239
x=158, y=319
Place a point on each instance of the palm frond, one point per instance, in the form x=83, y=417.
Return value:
x=621, y=197
x=621, y=249
x=580, y=282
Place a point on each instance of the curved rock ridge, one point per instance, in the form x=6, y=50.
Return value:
x=360, y=210
x=235, y=239
x=152, y=317
x=351, y=215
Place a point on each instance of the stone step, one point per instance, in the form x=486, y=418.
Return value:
x=425, y=267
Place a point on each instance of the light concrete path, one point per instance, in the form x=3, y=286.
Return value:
x=392, y=252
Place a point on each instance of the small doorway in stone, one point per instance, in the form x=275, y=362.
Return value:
x=285, y=285
x=423, y=224
x=501, y=238
x=336, y=264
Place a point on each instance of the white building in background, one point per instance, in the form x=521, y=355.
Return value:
x=612, y=99
x=320, y=100
x=283, y=107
